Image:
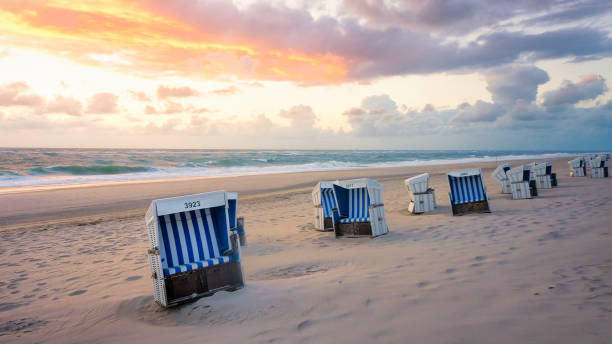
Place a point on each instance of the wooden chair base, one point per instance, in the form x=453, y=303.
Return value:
x=353, y=229
x=473, y=207
x=194, y=284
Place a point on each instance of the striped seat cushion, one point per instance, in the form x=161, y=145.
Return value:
x=466, y=189
x=354, y=219
x=196, y=265
x=189, y=239
x=328, y=201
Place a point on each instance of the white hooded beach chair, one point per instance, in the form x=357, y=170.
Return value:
x=360, y=209
x=423, y=197
x=577, y=167
x=468, y=193
x=194, y=250
x=539, y=173
x=324, y=203
x=520, y=184
x=500, y=176
x=599, y=167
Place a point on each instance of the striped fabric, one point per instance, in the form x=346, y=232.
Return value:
x=188, y=241
x=359, y=201
x=466, y=189
x=196, y=265
x=328, y=201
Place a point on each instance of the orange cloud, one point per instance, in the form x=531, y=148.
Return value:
x=134, y=38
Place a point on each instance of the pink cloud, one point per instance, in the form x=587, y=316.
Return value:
x=164, y=92
x=103, y=103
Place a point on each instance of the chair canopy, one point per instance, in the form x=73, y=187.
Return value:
x=519, y=174
x=466, y=186
x=353, y=198
x=418, y=184
x=500, y=172
x=323, y=195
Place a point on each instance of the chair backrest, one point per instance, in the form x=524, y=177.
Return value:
x=192, y=236
x=328, y=201
x=352, y=202
x=466, y=189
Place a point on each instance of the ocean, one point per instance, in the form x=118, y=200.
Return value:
x=41, y=166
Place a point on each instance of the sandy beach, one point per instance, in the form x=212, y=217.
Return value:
x=73, y=261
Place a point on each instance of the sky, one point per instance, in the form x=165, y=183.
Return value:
x=298, y=74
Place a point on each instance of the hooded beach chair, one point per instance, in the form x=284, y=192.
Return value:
x=468, y=193
x=539, y=174
x=360, y=210
x=194, y=250
x=423, y=197
x=521, y=185
x=324, y=203
x=500, y=176
x=577, y=167
x=599, y=167
x=553, y=176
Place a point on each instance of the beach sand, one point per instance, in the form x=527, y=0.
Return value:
x=73, y=266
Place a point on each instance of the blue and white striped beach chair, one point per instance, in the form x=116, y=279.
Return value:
x=324, y=202
x=360, y=210
x=577, y=167
x=194, y=246
x=468, y=193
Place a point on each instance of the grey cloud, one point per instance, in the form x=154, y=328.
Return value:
x=510, y=83
x=590, y=87
x=571, y=12
x=480, y=112
x=394, y=50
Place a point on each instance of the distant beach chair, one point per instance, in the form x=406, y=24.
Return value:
x=468, y=194
x=539, y=173
x=599, y=167
x=324, y=202
x=553, y=176
x=360, y=210
x=423, y=197
x=194, y=250
x=500, y=176
x=577, y=167
x=521, y=185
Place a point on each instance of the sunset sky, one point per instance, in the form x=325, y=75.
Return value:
x=438, y=74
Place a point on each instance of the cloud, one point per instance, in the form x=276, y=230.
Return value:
x=480, y=112
x=141, y=96
x=272, y=41
x=164, y=92
x=60, y=104
x=510, y=83
x=17, y=94
x=299, y=116
x=102, y=103
x=589, y=87
x=230, y=90
x=171, y=108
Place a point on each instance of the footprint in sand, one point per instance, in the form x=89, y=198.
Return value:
x=133, y=278
x=77, y=292
x=449, y=271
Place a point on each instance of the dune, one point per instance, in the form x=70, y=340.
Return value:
x=74, y=267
